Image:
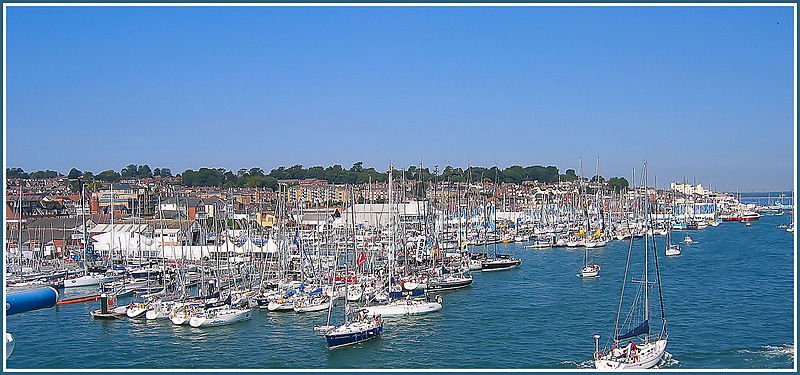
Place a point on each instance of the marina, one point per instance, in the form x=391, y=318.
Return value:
x=370, y=187
x=540, y=305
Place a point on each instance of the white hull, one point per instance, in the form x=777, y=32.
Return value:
x=475, y=265
x=648, y=356
x=312, y=308
x=403, y=308
x=589, y=271
x=136, y=311
x=220, y=317
x=156, y=314
x=354, y=295
x=88, y=280
x=672, y=251
x=280, y=306
x=9, y=344
x=180, y=318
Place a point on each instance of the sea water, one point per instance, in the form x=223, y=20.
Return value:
x=728, y=300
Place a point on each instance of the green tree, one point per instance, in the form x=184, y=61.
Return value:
x=598, y=178
x=75, y=186
x=74, y=173
x=271, y=183
x=254, y=182
x=94, y=186
x=44, y=174
x=165, y=172
x=16, y=173
x=129, y=171
x=108, y=176
x=618, y=183
x=157, y=172
x=143, y=171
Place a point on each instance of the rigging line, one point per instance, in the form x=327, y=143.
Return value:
x=658, y=276
x=622, y=293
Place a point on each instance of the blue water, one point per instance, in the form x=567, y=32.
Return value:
x=766, y=198
x=728, y=300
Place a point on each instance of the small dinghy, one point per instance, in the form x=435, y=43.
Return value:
x=688, y=240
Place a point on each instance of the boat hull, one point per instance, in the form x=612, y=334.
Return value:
x=338, y=340
x=228, y=317
x=649, y=355
x=403, y=309
x=86, y=281
x=498, y=265
x=136, y=311
x=450, y=284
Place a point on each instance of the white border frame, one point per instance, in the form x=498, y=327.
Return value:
x=794, y=193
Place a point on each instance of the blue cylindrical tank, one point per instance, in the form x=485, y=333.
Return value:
x=31, y=300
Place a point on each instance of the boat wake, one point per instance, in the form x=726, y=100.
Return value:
x=584, y=364
x=771, y=351
x=667, y=361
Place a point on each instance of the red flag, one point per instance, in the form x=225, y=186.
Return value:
x=362, y=259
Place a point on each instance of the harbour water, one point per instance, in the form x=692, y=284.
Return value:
x=729, y=303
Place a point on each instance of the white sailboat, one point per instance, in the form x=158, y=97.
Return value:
x=589, y=269
x=399, y=307
x=87, y=279
x=671, y=249
x=649, y=349
x=218, y=316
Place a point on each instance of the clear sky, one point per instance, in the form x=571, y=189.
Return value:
x=702, y=93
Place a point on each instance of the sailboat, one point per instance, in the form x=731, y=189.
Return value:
x=649, y=349
x=357, y=326
x=87, y=279
x=589, y=269
x=220, y=315
x=396, y=306
x=361, y=327
x=672, y=249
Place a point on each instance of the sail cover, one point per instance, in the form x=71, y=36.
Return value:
x=640, y=329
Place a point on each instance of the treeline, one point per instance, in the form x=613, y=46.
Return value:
x=252, y=178
x=336, y=174
x=357, y=174
x=130, y=171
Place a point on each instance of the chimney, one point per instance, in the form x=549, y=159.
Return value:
x=94, y=207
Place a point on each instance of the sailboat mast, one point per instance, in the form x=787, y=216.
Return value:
x=83, y=218
x=111, y=250
x=391, y=232
x=647, y=228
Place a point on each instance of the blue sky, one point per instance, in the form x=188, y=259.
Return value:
x=702, y=93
